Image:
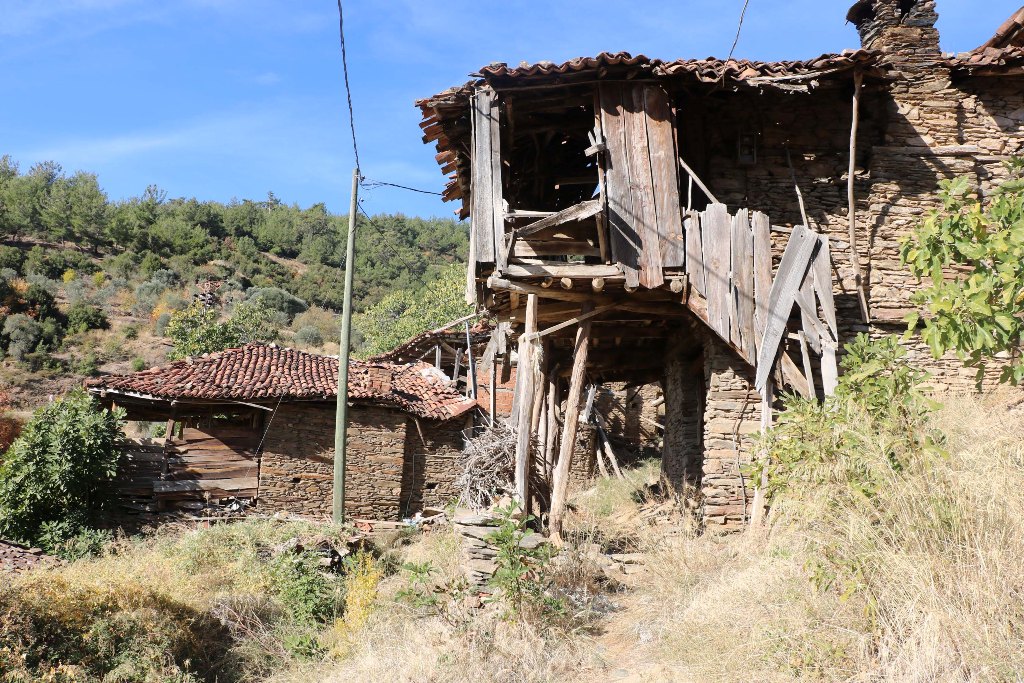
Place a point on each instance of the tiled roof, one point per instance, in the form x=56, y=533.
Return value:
x=17, y=558
x=268, y=372
x=423, y=343
x=1010, y=34
x=1002, y=51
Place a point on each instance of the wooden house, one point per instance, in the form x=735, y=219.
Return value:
x=720, y=227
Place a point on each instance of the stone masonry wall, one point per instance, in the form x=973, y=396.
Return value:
x=914, y=132
x=732, y=419
x=432, y=456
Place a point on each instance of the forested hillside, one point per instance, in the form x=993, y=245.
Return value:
x=89, y=283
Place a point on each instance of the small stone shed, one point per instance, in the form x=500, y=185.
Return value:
x=257, y=423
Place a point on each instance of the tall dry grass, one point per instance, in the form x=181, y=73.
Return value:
x=920, y=581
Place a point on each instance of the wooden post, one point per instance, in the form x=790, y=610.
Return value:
x=492, y=400
x=525, y=395
x=471, y=375
x=552, y=412
x=570, y=424
x=858, y=82
x=757, y=511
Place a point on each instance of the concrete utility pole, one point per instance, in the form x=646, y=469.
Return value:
x=341, y=419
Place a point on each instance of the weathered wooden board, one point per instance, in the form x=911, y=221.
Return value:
x=829, y=369
x=576, y=212
x=809, y=311
x=665, y=175
x=792, y=268
x=625, y=242
x=238, y=484
x=821, y=269
x=482, y=202
x=695, y=252
x=497, y=193
x=741, y=320
x=761, y=229
x=638, y=151
x=716, y=231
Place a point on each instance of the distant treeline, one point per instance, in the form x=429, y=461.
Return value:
x=143, y=234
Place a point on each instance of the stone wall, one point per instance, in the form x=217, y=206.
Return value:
x=922, y=127
x=732, y=420
x=389, y=471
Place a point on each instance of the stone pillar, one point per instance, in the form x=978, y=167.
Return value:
x=900, y=27
x=683, y=388
x=732, y=418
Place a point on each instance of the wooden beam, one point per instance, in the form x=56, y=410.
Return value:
x=580, y=270
x=865, y=311
x=577, y=212
x=572, y=321
x=525, y=393
x=700, y=183
x=570, y=424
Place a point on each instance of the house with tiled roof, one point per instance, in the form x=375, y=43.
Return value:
x=722, y=227
x=256, y=423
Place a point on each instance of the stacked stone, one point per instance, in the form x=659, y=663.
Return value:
x=15, y=557
x=479, y=554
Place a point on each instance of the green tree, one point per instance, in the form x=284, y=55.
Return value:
x=979, y=310
x=198, y=329
x=55, y=472
x=404, y=314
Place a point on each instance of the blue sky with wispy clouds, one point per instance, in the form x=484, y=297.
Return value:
x=233, y=98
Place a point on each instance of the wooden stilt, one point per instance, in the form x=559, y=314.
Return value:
x=525, y=395
x=570, y=424
x=551, y=442
x=757, y=510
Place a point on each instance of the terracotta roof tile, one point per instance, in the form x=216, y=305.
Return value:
x=268, y=372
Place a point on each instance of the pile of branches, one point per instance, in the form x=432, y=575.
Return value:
x=487, y=467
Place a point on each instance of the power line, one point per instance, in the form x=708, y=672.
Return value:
x=348, y=89
x=373, y=184
x=385, y=238
x=738, y=30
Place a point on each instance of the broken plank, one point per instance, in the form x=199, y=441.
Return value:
x=741, y=323
x=625, y=243
x=695, y=252
x=821, y=269
x=641, y=184
x=716, y=228
x=761, y=231
x=792, y=375
x=793, y=267
x=205, y=485
x=572, y=321
x=577, y=212
x=829, y=369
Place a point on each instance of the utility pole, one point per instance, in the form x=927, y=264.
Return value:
x=341, y=417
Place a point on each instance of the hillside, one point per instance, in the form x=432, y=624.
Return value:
x=89, y=284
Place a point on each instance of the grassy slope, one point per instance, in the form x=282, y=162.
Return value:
x=936, y=594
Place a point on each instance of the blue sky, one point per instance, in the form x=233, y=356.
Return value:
x=233, y=98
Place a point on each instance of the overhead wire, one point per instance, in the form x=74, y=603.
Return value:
x=348, y=89
x=383, y=236
x=739, y=28
x=373, y=184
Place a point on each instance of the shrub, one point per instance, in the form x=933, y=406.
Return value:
x=160, y=326
x=12, y=257
x=131, y=332
x=69, y=275
x=98, y=278
x=57, y=469
x=277, y=299
x=22, y=334
x=87, y=365
x=138, y=364
x=309, y=336
x=197, y=330
x=82, y=317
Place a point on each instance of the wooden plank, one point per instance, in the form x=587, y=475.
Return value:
x=205, y=485
x=482, y=186
x=700, y=183
x=497, y=192
x=577, y=212
x=625, y=243
x=821, y=269
x=829, y=368
x=602, y=184
x=742, y=327
x=809, y=312
x=793, y=376
x=805, y=354
x=572, y=321
x=641, y=184
x=761, y=229
x=695, y=252
x=665, y=173
x=581, y=270
x=716, y=229
x=795, y=260
x=540, y=249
